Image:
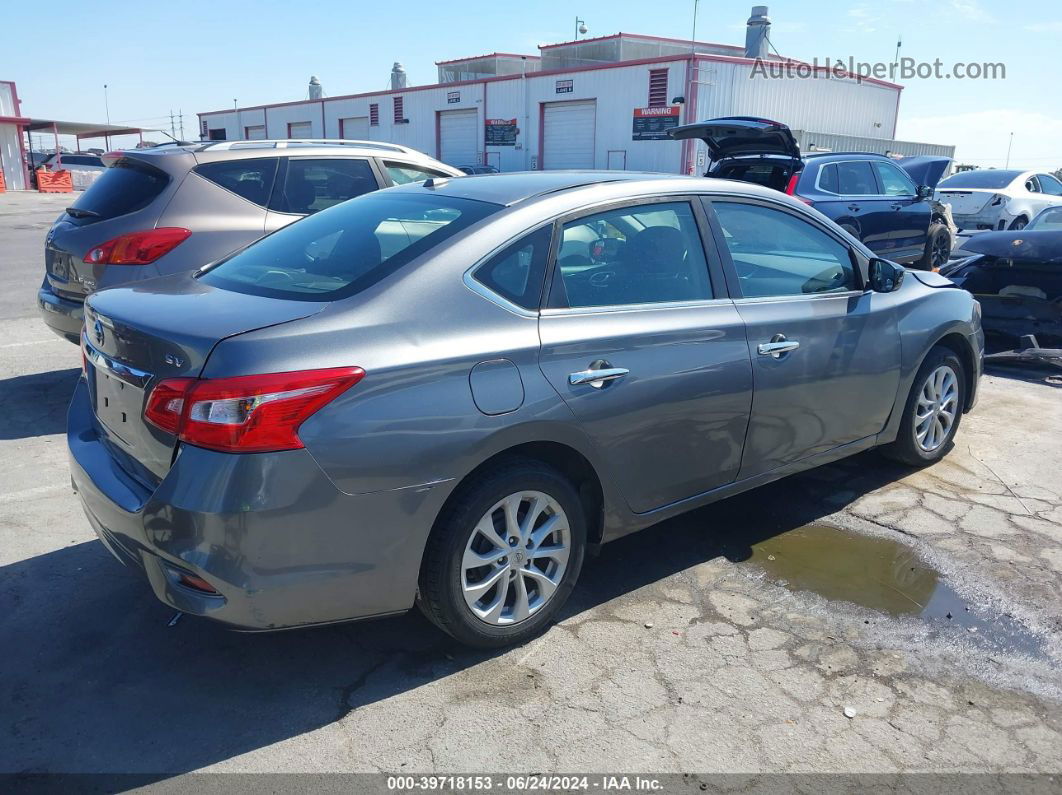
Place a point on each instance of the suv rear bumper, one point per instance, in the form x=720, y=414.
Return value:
x=62, y=315
x=281, y=545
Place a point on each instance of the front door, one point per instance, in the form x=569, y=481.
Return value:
x=825, y=354
x=649, y=353
x=908, y=217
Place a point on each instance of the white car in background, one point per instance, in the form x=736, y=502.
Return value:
x=998, y=198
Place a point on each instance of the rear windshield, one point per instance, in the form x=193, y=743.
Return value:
x=341, y=251
x=1048, y=220
x=980, y=178
x=125, y=187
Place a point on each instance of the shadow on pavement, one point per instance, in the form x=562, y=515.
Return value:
x=93, y=679
x=35, y=405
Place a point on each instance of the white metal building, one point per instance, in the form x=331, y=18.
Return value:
x=593, y=103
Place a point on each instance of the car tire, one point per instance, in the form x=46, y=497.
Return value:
x=938, y=392
x=1018, y=223
x=455, y=591
x=937, y=250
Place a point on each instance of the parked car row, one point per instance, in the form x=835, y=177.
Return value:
x=445, y=393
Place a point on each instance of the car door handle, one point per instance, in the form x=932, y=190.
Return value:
x=598, y=377
x=777, y=348
x=854, y=207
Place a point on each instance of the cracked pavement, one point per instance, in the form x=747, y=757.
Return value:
x=677, y=652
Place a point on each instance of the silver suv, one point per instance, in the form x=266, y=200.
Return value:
x=176, y=208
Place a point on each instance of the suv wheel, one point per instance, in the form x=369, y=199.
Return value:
x=1019, y=223
x=938, y=248
x=933, y=410
x=504, y=556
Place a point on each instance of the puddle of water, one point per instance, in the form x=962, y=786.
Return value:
x=882, y=575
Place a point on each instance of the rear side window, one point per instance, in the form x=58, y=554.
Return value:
x=311, y=185
x=517, y=272
x=127, y=186
x=249, y=179
x=346, y=249
x=855, y=178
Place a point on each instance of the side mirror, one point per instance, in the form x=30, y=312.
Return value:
x=923, y=192
x=885, y=276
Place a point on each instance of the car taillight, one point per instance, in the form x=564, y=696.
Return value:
x=790, y=189
x=245, y=414
x=138, y=248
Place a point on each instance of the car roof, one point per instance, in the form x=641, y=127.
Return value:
x=204, y=150
x=513, y=187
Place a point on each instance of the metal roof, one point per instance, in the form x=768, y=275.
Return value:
x=85, y=129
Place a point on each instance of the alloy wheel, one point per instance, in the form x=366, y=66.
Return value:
x=941, y=250
x=515, y=558
x=936, y=408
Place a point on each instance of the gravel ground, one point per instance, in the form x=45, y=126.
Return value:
x=678, y=652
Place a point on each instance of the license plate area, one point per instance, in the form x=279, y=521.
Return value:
x=118, y=405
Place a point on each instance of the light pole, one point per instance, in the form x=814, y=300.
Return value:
x=1009, y=145
x=580, y=27
x=106, y=104
x=236, y=110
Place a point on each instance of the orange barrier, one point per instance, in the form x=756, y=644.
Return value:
x=54, y=181
x=3, y=187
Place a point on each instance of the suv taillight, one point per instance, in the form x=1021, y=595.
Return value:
x=138, y=248
x=791, y=186
x=246, y=414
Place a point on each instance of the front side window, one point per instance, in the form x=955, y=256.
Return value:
x=403, y=173
x=894, y=181
x=343, y=250
x=778, y=254
x=249, y=179
x=855, y=178
x=312, y=185
x=650, y=253
x=516, y=273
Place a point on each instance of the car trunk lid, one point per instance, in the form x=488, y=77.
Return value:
x=966, y=202
x=135, y=337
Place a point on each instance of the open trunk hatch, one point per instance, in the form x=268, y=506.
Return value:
x=736, y=136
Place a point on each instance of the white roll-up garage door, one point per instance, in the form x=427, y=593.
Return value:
x=300, y=129
x=354, y=128
x=568, y=134
x=459, y=137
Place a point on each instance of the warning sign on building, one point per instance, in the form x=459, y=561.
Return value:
x=652, y=124
x=501, y=132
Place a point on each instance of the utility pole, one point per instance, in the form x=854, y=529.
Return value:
x=181, y=116
x=173, y=129
x=1009, y=145
x=693, y=36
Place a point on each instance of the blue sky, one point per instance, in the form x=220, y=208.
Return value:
x=199, y=57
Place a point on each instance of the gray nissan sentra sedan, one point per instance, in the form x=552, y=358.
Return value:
x=443, y=393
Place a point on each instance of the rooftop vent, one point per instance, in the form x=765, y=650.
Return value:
x=757, y=33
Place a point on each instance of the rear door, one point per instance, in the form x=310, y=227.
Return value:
x=825, y=354
x=634, y=298
x=306, y=185
x=855, y=202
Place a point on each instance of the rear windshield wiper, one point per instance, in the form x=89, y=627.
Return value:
x=78, y=212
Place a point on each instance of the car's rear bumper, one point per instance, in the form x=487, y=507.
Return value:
x=62, y=315
x=281, y=545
